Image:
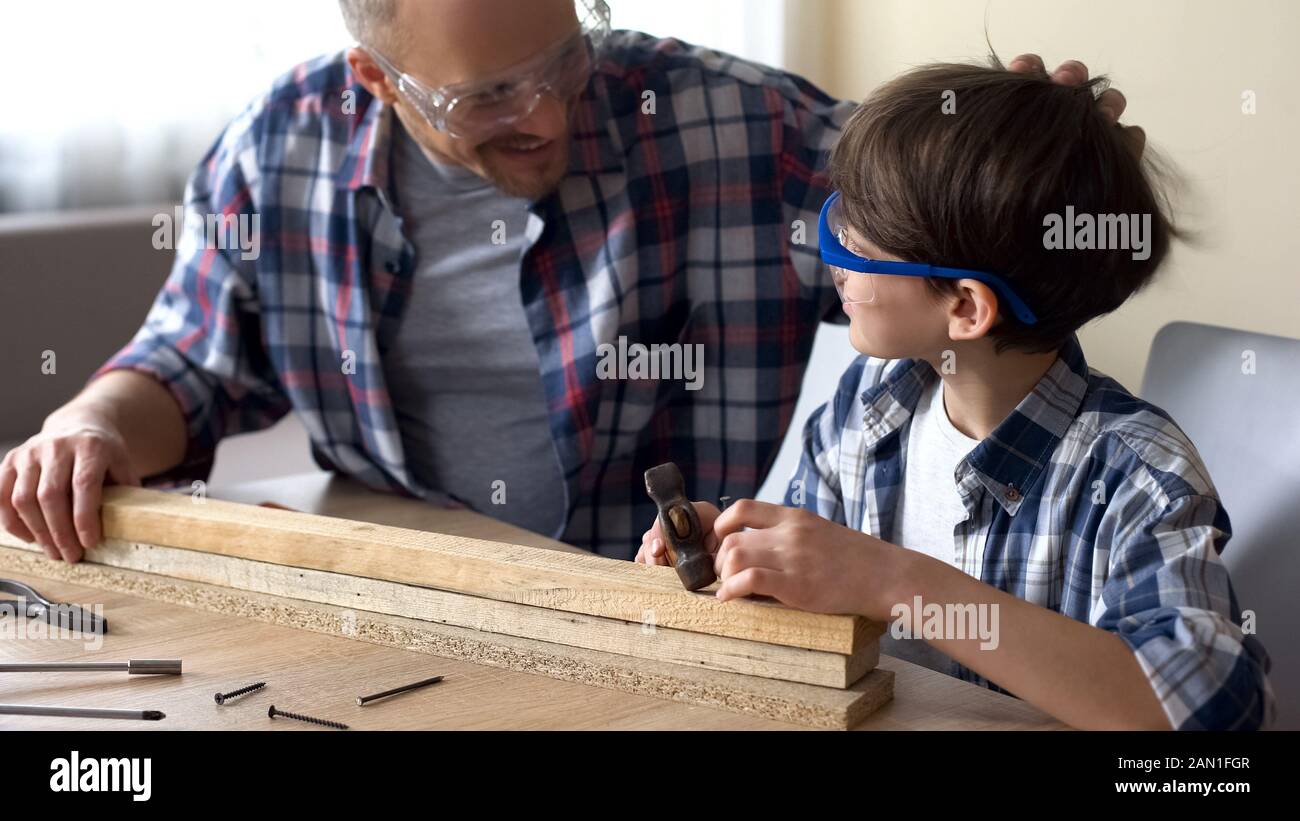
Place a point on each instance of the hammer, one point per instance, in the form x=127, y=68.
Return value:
x=683, y=535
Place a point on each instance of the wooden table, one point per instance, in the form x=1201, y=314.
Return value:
x=322, y=675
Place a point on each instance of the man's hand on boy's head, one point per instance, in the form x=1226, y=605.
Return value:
x=803, y=560
x=1111, y=102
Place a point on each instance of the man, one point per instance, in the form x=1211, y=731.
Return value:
x=468, y=227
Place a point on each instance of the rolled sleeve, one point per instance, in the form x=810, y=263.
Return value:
x=1169, y=597
x=202, y=338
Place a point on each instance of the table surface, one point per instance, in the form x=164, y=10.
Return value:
x=322, y=675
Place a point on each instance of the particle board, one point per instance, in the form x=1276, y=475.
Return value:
x=641, y=640
x=798, y=703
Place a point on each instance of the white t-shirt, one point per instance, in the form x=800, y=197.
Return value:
x=929, y=507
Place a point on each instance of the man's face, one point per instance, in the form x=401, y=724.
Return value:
x=446, y=42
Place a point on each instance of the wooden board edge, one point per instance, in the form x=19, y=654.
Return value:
x=696, y=650
x=803, y=704
x=506, y=572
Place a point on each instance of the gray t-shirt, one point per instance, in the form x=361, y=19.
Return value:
x=462, y=369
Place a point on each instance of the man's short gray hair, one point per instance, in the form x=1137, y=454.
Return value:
x=370, y=21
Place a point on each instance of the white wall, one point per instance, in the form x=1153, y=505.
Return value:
x=131, y=95
x=754, y=29
x=1183, y=65
x=831, y=356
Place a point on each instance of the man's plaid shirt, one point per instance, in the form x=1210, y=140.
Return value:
x=681, y=220
x=1085, y=500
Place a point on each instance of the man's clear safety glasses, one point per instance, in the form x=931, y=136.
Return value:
x=490, y=106
x=833, y=239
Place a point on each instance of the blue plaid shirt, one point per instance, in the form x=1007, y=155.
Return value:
x=1085, y=500
x=688, y=216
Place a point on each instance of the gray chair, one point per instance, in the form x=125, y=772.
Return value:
x=1237, y=395
x=77, y=283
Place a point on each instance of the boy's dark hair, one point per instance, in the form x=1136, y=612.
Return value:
x=972, y=188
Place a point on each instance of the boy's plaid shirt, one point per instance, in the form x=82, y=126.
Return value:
x=691, y=187
x=1085, y=500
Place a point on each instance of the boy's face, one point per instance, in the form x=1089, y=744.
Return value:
x=905, y=319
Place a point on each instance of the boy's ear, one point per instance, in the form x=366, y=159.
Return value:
x=972, y=310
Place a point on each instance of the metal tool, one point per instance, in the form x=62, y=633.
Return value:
x=66, y=616
x=405, y=688
x=683, y=534
x=155, y=667
x=274, y=713
x=222, y=698
x=79, y=712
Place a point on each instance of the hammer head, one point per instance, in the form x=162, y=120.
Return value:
x=664, y=484
x=683, y=534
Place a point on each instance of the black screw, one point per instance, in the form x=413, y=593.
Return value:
x=274, y=712
x=220, y=698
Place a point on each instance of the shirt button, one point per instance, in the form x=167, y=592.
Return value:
x=1012, y=495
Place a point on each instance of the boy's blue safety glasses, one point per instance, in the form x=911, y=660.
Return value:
x=832, y=235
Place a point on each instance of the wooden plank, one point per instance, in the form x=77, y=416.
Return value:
x=698, y=650
x=578, y=583
x=316, y=671
x=333, y=494
x=804, y=704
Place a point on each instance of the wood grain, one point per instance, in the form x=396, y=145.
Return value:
x=332, y=494
x=803, y=704
x=579, y=583
x=327, y=672
x=697, y=650
x=308, y=672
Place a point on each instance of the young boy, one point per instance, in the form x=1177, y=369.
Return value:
x=971, y=459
